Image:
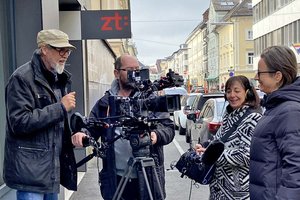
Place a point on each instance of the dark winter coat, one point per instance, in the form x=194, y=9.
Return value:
x=38, y=149
x=165, y=134
x=275, y=147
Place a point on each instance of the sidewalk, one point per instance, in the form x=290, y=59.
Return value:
x=88, y=188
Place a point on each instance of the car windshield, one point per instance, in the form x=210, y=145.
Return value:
x=190, y=100
x=221, y=107
x=183, y=100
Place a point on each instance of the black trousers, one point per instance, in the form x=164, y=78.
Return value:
x=131, y=190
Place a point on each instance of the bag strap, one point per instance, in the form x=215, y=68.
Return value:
x=235, y=125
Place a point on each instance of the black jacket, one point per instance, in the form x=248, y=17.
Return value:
x=165, y=134
x=275, y=147
x=38, y=150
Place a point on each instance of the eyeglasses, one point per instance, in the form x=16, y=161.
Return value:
x=61, y=51
x=128, y=69
x=265, y=72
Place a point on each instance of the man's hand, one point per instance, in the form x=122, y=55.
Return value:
x=69, y=101
x=153, y=137
x=77, y=139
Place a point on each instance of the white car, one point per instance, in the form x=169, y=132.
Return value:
x=180, y=115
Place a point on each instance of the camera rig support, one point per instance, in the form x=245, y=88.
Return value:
x=129, y=114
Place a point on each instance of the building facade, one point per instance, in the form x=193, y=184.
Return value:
x=236, y=43
x=197, y=54
x=217, y=10
x=91, y=64
x=275, y=23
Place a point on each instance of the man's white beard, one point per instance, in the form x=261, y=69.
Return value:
x=59, y=68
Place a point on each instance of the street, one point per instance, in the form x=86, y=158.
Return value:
x=176, y=187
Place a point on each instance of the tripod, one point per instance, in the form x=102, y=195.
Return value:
x=132, y=163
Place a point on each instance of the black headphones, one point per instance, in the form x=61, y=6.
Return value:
x=249, y=91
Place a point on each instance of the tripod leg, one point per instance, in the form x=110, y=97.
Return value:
x=149, y=162
x=147, y=182
x=124, y=180
x=157, y=179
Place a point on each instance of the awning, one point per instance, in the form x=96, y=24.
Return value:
x=212, y=78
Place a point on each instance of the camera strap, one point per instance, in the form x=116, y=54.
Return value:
x=235, y=125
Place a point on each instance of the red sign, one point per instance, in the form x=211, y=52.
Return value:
x=105, y=24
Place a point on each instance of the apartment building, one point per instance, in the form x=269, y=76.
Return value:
x=217, y=10
x=236, y=43
x=276, y=22
x=197, y=53
x=178, y=61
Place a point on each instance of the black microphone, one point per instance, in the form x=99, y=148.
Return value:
x=77, y=122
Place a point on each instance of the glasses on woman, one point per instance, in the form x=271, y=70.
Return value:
x=62, y=51
x=264, y=72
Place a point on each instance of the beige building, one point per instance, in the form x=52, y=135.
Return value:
x=236, y=43
x=178, y=61
x=197, y=53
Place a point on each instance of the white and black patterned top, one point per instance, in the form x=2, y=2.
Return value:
x=231, y=178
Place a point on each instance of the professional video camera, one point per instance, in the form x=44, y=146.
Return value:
x=132, y=113
x=144, y=98
x=136, y=117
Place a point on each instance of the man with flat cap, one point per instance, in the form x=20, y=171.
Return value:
x=38, y=150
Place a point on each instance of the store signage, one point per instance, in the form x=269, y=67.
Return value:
x=105, y=24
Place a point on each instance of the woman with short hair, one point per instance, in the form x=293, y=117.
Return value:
x=275, y=146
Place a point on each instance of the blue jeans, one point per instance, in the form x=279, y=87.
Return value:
x=22, y=195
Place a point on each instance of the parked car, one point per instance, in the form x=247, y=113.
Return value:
x=180, y=115
x=196, y=109
x=205, y=126
x=197, y=89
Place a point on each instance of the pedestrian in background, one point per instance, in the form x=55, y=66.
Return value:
x=118, y=154
x=275, y=146
x=231, y=177
x=38, y=150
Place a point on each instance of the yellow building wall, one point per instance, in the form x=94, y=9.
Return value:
x=234, y=47
x=226, y=51
x=243, y=24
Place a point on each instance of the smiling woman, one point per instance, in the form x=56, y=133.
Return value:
x=232, y=168
x=277, y=134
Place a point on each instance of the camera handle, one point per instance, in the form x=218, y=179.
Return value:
x=132, y=163
x=86, y=159
x=98, y=149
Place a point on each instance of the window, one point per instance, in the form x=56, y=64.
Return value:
x=249, y=35
x=250, y=58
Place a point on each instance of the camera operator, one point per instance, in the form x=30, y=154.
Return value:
x=118, y=154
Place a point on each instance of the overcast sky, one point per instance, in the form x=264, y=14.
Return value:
x=160, y=26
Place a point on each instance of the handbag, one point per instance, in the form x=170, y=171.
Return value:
x=201, y=168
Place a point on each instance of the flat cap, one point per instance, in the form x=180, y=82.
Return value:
x=53, y=37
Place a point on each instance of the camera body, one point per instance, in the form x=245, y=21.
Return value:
x=132, y=114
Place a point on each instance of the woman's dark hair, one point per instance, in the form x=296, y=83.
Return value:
x=283, y=59
x=252, y=98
